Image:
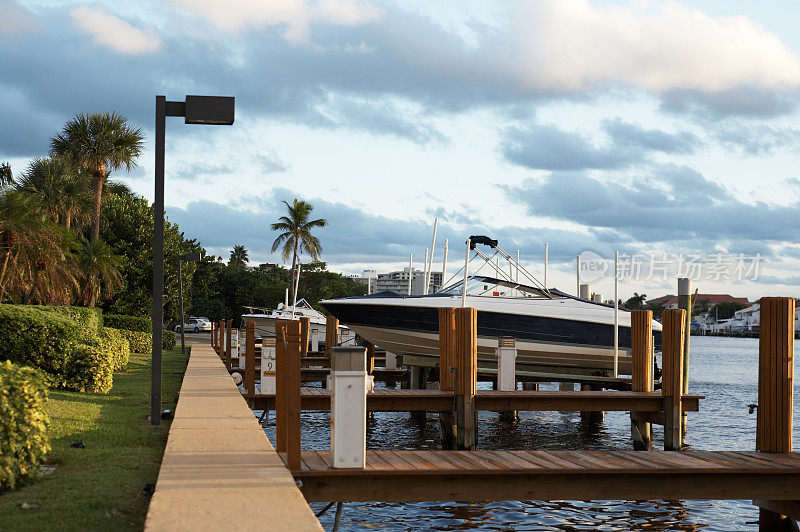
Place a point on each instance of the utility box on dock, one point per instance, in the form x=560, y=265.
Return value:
x=349, y=386
x=506, y=363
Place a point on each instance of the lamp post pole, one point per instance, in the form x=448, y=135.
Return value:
x=217, y=110
x=158, y=264
x=180, y=306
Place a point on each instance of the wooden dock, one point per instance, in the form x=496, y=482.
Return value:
x=405, y=476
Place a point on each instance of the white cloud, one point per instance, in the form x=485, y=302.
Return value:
x=296, y=15
x=16, y=19
x=574, y=45
x=113, y=32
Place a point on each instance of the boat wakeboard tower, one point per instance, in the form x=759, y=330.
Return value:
x=511, y=276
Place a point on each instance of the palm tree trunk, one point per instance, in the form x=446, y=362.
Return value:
x=99, y=175
x=3, y=274
x=294, y=269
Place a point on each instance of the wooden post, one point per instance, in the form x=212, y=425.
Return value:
x=280, y=385
x=250, y=357
x=466, y=377
x=228, y=344
x=642, y=372
x=305, y=330
x=370, y=358
x=292, y=391
x=447, y=346
x=331, y=334
x=220, y=338
x=685, y=303
x=212, y=334
x=673, y=325
x=775, y=375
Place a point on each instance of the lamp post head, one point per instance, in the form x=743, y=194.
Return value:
x=214, y=110
x=191, y=257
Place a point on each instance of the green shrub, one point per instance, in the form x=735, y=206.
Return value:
x=118, y=347
x=167, y=340
x=56, y=344
x=140, y=342
x=129, y=323
x=90, y=320
x=23, y=424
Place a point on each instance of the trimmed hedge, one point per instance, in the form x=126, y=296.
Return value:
x=57, y=345
x=23, y=424
x=129, y=323
x=140, y=342
x=90, y=320
x=117, y=345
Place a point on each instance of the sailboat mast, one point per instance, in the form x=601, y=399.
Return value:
x=444, y=265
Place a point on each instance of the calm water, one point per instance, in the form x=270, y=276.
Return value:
x=722, y=369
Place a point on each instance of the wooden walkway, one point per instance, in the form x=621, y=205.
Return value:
x=552, y=475
x=393, y=400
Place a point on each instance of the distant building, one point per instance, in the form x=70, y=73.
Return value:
x=366, y=278
x=398, y=282
x=670, y=301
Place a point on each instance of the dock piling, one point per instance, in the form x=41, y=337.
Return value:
x=370, y=367
x=228, y=326
x=447, y=345
x=305, y=331
x=674, y=323
x=250, y=357
x=466, y=377
x=292, y=392
x=642, y=372
x=775, y=375
x=280, y=385
x=331, y=334
x=685, y=303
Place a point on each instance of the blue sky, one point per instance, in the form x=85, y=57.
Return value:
x=644, y=127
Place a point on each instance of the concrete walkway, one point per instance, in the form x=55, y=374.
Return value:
x=220, y=471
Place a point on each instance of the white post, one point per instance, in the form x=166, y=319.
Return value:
x=425, y=274
x=444, y=265
x=430, y=262
x=391, y=360
x=578, y=273
x=286, y=299
x=314, y=340
x=410, y=271
x=349, y=387
x=296, y=287
x=466, y=273
x=616, y=315
x=546, y=246
x=267, y=368
x=506, y=354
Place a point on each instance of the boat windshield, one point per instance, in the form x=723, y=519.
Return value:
x=491, y=287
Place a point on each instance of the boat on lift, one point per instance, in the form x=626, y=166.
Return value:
x=554, y=331
x=264, y=319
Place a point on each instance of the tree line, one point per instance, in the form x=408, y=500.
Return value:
x=70, y=235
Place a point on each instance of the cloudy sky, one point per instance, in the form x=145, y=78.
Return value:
x=656, y=129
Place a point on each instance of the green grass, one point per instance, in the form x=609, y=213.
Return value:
x=99, y=487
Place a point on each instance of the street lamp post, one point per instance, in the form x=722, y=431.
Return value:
x=188, y=257
x=195, y=110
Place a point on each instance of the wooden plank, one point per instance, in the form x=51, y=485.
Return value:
x=436, y=459
x=314, y=462
x=292, y=382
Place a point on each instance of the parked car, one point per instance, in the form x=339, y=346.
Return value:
x=195, y=325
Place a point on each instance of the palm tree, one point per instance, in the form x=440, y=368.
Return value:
x=61, y=187
x=99, y=142
x=36, y=264
x=296, y=236
x=239, y=257
x=6, y=176
x=100, y=271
